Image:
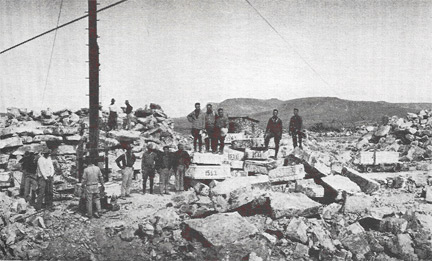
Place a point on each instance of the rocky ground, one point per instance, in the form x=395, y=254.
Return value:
x=309, y=204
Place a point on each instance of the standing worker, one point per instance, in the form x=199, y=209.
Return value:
x=165, y=164
x=29, y=165
x=129, y=115
x=220, y=131
x=91, y=178
x=295, y=129
x=80, y=152
x=210, y=118
x=197, y=119
x=45, y=174
x=148, y=167
x=273, y=130
x=181, y=163
x=127, y=161
x=113, y=114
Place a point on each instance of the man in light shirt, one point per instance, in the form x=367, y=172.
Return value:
x=45, y=175
x=113, y=114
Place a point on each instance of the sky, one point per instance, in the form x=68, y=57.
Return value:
x=178, y=52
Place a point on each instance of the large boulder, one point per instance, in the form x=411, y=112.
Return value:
x=337, y=184
x=366, y=184
x=239, y=191
x=167, y=218
x=222, y=229
x=309, y=188
x=11, y=142
x=292, y=205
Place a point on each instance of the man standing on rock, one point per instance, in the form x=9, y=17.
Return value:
x=164, y=165
x=112, y=118
x=148, y=167
x=295, y=128
x=45, y=174
x=197, y=118
x=129, y=115
x=127, y=161
x=181, y=163
x=90, y=181
x=210, y=118
x=273, y=130
x=220, y=131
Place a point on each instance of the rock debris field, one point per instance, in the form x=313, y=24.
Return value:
x=365, y=197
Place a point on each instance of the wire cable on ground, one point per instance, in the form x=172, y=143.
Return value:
x=52, y=52
x=283, y=39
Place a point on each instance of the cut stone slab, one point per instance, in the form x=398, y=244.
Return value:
x=36, y=148
x=287, y=173
x=124, y=135
x=366, y=184
x=297, y=230
x=208, y=172
x=309, y=188
x=222, y=229
x=235, y=164
x=236, y=192
x=207, y=159
x=257, y=154
x=238, y=173
x=259, y=167
x=11, y=142
x=292, y=205
x=386, y=157
x=230, y=137
x=48, y=137
x=233, y=155
x=338, y=184
x=73, y=138
x=241, y=144
x=64, y=149
x=257, y=142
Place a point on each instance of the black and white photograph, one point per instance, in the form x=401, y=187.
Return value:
x=216, y=130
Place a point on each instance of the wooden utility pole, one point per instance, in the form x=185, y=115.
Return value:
x=93, y=79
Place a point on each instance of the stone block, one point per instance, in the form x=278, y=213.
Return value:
x=230, y=137
x=366, y=184
x=222, y=229
x=241, y=144
x=207, y=158
x=256, y=154
x=292, y=205
x=10, y=142
x=309, y=188
x=287, y=173
x=208, y=171
x=259, y=167
x=338, y=184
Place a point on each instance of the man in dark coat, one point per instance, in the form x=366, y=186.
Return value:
x=274, y=130
x=295, y=129
x=181, y=163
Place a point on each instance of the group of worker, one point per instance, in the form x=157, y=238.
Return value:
x=37, y=180
x=165, y=163
x=210, y=125
x=113, y=115
x=274, y=130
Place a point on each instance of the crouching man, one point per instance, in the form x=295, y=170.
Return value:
x=90, y=181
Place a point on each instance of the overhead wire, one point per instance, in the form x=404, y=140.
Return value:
x=52, y=52
x=289, y=44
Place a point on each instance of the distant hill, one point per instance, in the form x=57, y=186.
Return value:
x=330, y=111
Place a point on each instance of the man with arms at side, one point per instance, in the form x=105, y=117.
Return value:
x=295, y=129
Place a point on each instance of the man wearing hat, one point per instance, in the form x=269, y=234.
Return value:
x=127, y=161
x=295, y=129
x=45, y=175
x=148, y=167
x=90, y=181
x=210, y=118
x=220, y=131
x=164, y=166
x=197, y=118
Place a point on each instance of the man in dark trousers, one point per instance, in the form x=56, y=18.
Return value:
x=112, y=118
x=210, y=118
x=29, y=166
x=197, y=119
x=148, y=165
x=129, y=115
x=127, y=161
x=164, y=166
x=181, y=163
x=273, y=130
x=90, y=181
x=220, y=131
x=295, y=128
x=45, y=174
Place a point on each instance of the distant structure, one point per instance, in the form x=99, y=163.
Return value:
x=242, y=124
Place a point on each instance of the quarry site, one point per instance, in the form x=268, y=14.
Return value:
x=358, y=195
